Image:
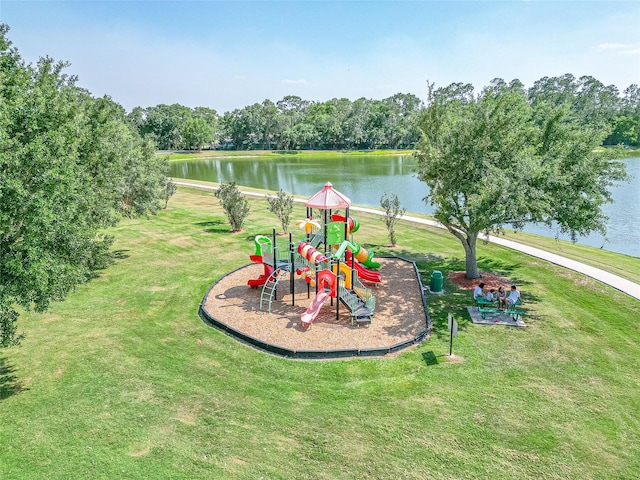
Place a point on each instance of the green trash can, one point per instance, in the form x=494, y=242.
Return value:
x=437, y=281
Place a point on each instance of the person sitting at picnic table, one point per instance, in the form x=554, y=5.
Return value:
x=502, y=298
x=514, y=297
x=491, y=295
x=478, y=291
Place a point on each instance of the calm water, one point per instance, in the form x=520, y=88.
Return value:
x=365, y=178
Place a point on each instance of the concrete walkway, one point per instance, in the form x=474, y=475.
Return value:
x=619, y=283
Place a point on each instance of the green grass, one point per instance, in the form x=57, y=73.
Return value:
x=622, y=265
x=266, y=154
x=123, y=380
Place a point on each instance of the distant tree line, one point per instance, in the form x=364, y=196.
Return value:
x=296, y=124
x=289, y=124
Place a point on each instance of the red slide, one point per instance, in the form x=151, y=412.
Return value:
x=363, y=272
x=258, y=282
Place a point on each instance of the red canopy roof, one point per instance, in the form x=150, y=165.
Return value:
x=328, y=198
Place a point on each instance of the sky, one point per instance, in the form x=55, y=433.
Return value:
x=227, y=55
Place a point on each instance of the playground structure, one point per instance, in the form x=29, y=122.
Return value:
x=327, y=258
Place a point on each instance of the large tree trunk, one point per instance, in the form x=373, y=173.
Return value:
x=471, y=263
x=468, y=240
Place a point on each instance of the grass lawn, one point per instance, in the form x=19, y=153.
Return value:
x=308, y=154
x=622, y=265
x=123, y=380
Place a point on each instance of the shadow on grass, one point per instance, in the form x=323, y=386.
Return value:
x=430, y=358
x=9, y=384
x=455, y=300
x=105, y=261
x=120, y=254
x=214, y=226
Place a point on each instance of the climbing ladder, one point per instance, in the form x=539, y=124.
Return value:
x=269, y=288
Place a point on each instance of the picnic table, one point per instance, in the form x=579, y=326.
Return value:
x=485, y=306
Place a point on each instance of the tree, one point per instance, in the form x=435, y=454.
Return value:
x=165, y=123
x=291, y=111
x=196, y=132
x=392, y=213
x=209, y=115
x=268, y=125
x=281, y=205
x=405, y=131
x=235, y=206
x=628, y=126
x=133, y=175
x=355, y=124
x=235, y=126
x=170, y=189
x=65, y=164
x=495, y=159
x=589, y=99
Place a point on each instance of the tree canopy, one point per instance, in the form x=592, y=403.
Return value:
x=339, y=123
x=509, y=157
x=70, y=166
x=288, y=124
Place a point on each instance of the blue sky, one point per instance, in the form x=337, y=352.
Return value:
x=228, y=55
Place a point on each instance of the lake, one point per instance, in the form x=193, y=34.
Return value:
x=365, y=178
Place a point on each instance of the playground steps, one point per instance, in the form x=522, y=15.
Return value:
x=358, y=308
x=269, y=288
x=362, y=315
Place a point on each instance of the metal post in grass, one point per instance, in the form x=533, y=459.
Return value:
x=453, y=328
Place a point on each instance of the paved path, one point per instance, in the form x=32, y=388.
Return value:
x=615, y=281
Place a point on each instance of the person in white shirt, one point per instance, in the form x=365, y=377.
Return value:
x=478, y=291
x=514, y=297
x=491, y=295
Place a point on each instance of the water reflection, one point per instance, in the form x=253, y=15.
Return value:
x=365, y=178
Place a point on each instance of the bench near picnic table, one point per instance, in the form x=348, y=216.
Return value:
x=510, y=311
x=485, y=306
